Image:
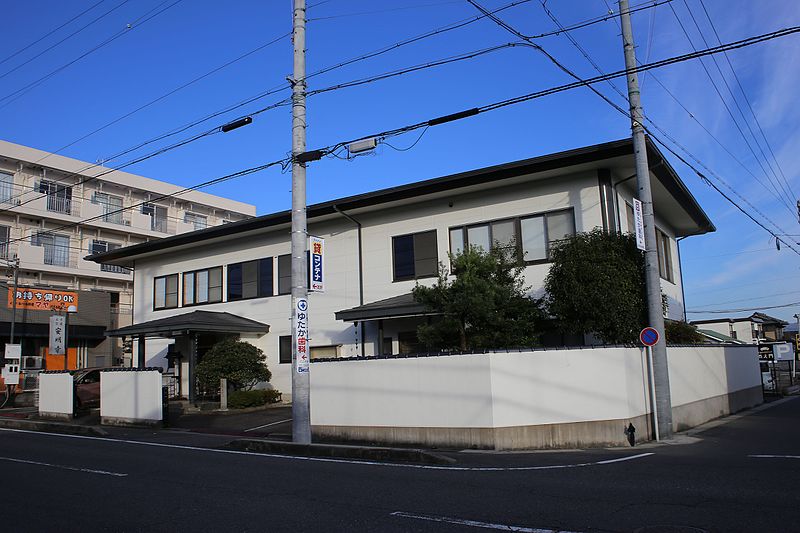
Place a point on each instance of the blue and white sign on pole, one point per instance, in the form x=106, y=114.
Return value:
x=301, y=355
x=317, y=249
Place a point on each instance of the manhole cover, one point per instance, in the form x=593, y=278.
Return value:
x=669, y=529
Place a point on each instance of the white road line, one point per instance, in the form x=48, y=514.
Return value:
x=329, y=460
x=775, y=456
x=63, y=467
x=474, y=523
x=268, y=425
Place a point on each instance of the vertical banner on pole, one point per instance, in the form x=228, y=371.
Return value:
x=638, y=216
x=317, y=248
x=57, y=335
x=301, y=336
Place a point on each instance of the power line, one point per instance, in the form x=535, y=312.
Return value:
x=778, y=194
x=618, y=108
x=283, y=86
x=169, y=93
x=747, y=100
x=697, y=121
x=378, y=11
x=741, y=310
x=51, y=32
x=753, y=298
x=11, y=97
x=214, y=181
x=316, y=154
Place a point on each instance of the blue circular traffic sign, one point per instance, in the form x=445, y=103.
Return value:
x=649, y=336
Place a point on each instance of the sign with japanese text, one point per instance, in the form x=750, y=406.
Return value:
x=43, y=299
x=301, y=348
x=57, y=334
x=317, y=248
x=638, y=216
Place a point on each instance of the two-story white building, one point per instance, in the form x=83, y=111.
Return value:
x=192, y=290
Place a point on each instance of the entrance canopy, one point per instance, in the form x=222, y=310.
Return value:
x=194, y=322
x=396, y=307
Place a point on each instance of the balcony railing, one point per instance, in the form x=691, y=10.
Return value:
x=114, y=269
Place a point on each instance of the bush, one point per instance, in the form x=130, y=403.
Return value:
x=241, y=363
x=252, y=398
x=679, y=332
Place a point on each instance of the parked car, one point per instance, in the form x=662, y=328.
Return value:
x=87, y=387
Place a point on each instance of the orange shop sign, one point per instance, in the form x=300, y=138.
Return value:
x=43, y=299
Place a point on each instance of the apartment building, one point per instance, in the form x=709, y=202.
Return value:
x=55, y=210
x=193, y=290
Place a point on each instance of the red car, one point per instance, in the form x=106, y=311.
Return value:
x=87, y=387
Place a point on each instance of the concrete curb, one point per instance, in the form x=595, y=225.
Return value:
x=52, y=427
x=364, y=453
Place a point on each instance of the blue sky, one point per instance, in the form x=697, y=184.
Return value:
x=736, y=267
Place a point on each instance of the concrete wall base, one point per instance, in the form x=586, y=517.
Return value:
x=118, y=421
x=693, y=414
x=56, y=416
x=549, y=436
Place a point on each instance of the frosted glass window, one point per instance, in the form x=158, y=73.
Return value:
x=559, y=226
x=478, y=237
x=534, y=242
x=503, y=233
x=456, y=241
x=188, y=288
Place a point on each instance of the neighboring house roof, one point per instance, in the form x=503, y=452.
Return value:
x=196, y=321
x=668, y=190
x=758, y=318
x=718, y=337
x=396, y=307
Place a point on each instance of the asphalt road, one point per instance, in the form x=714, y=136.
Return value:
x=69, y=483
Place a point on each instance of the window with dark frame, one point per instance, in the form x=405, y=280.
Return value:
x=285, y=349
x=165, y=292
x=664, y=255
x=415, y=256
x=202, y=286
x=531, y=237
x=285, y=274
x=250, y=279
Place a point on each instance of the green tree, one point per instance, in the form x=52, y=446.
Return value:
x=680, y=332
x=483, y=307
x=241, y=363
x=596, y=285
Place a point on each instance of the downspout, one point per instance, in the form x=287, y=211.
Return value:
x=616, y=199
x=360, y=272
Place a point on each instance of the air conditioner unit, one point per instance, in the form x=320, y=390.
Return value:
x=30, y=362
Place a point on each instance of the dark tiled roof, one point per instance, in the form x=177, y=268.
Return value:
x=395, y=307
x=196, y=321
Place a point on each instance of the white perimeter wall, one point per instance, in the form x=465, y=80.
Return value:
x=56, y=394
x=518, y=389
x=131, y=395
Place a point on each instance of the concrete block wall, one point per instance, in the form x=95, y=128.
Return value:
x=131, y=397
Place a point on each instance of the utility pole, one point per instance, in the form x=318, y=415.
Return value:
x=301, y=411
x=655, y=312
x=14, y=304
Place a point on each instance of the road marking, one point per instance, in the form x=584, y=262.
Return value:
x=270, y=424
x=330, y=460
x=474, y=523
x=775, y=456
x=63, y=467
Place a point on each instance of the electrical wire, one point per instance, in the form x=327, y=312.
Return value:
x=747, y=100
x=13, y=96
x=51, y=32
x=777, y=193
x=512, y=30
x=76, y=32
x=402, y=8
x=741, y=310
